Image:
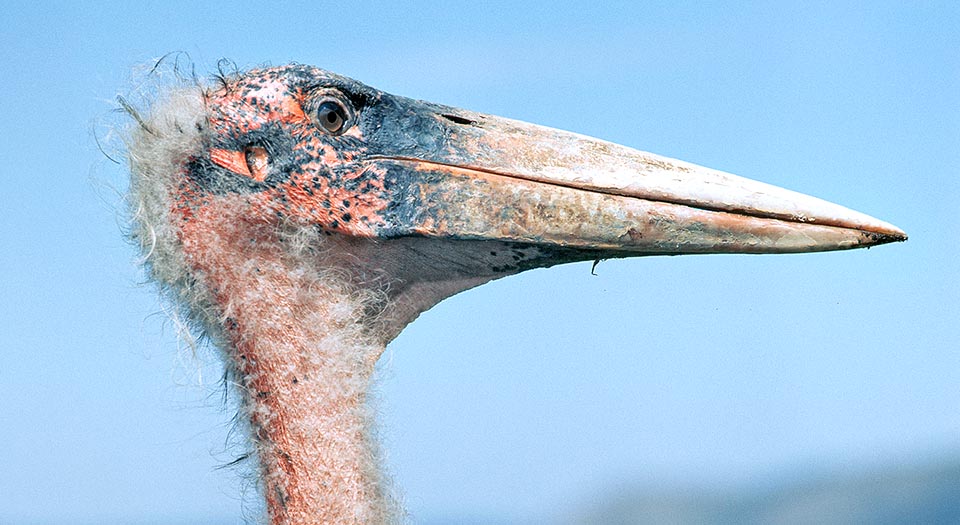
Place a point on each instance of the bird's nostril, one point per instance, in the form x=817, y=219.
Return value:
x=457, y=119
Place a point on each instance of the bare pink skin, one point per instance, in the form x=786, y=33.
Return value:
x=303, y=377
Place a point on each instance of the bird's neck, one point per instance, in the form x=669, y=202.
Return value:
x=304, y=364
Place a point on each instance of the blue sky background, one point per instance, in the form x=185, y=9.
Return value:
x=538, y=395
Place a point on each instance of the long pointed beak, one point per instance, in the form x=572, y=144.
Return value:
x=491, y=178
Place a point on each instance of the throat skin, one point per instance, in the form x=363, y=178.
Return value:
x=307, y=398
x=302, y=316
x=304, y=361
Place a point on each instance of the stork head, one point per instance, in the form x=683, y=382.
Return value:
x=424, y=200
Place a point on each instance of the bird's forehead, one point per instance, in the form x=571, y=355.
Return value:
x=278, y=83
x=257, y=97
x=274, y=81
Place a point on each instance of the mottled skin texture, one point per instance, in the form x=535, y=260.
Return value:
x=309, y=218
x=311, y=175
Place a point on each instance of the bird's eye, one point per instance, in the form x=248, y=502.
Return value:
x=331, y=116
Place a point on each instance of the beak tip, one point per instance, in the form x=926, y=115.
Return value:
x=883, y=234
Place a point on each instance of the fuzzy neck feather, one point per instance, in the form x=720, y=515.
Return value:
x=304, y=363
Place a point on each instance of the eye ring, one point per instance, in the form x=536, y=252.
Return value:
x=331, y=115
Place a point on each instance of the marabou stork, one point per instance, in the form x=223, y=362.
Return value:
x=303, y=219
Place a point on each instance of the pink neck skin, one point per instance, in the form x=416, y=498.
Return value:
x=304, y=363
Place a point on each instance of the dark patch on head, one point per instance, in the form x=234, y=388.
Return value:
x=406, y=127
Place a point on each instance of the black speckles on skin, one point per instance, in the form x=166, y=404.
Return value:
x=518, y=257
x=289, y=145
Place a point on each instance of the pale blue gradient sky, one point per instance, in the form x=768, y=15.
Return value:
x=529, y=397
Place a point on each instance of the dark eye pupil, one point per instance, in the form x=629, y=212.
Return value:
x=331, y=116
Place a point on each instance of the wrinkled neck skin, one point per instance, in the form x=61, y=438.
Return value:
x=305, y=319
